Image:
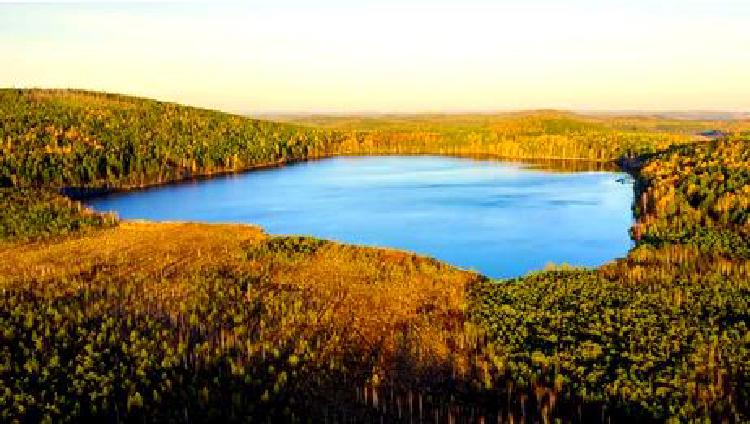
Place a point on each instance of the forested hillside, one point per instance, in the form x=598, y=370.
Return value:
x=661, y=333
x=699, y=195
x=527, y=135
x=188, y=322
x=66, y=138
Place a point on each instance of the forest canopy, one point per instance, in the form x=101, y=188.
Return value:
x=122, y=321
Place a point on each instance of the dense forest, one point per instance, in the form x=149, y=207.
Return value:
x=122, y=321
x=527, y=135
x=78, y=139
x=81, y=139
x=661, y=333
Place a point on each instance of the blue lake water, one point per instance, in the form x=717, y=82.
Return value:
x=502, y=219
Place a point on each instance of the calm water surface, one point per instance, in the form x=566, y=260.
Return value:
x=502, y=219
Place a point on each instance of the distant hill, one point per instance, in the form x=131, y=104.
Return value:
x=690, y=115
x=90, y=139
x=102, y=141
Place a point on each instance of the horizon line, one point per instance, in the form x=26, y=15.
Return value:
x=722, y=114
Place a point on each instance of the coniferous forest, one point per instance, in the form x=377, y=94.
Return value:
x=110, y=320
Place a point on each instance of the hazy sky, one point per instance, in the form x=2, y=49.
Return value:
x=407, y=55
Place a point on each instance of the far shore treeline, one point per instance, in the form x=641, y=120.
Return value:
x=105, y=320
x=69, y=138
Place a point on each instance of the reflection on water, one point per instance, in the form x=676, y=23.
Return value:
x=560, y=165
x=500, y=218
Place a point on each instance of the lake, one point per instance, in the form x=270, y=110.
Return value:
x=502, y=219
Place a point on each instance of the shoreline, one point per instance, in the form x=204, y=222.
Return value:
x=85, y=193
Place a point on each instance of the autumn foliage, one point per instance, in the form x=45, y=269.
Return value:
x=122, y=321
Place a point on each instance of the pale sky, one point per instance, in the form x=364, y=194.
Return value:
x=390, y=56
